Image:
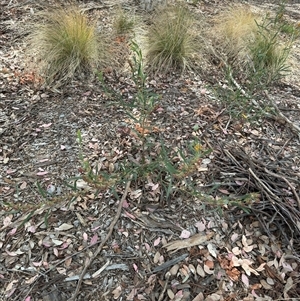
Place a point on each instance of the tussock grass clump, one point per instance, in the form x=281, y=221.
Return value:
x=171, y=40
x=234, y=30
x=123, y=23
x=252, y=44
x=268, y=56
x=66, y=43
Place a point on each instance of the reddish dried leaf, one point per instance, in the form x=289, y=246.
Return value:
x=233, y=274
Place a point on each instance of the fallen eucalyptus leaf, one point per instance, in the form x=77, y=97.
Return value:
x=195, y=240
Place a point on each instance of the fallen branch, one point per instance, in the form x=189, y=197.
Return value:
x=99, y=248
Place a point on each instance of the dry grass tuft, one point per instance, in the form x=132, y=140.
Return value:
x=251, y=44
x=234, y=30
x=171, y=40
x=66, y=43
x=123, y=23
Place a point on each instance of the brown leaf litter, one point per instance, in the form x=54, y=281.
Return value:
x=134, y=245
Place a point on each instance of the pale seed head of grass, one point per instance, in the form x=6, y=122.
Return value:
x=66, y=43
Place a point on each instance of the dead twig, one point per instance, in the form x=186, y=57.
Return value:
x=84, y=10
x=161, y=296
x=263, y=185
x=293, y=125
x=286, y=181
x=99, y=248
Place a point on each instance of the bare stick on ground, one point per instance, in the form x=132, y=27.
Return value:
x=111, y=228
